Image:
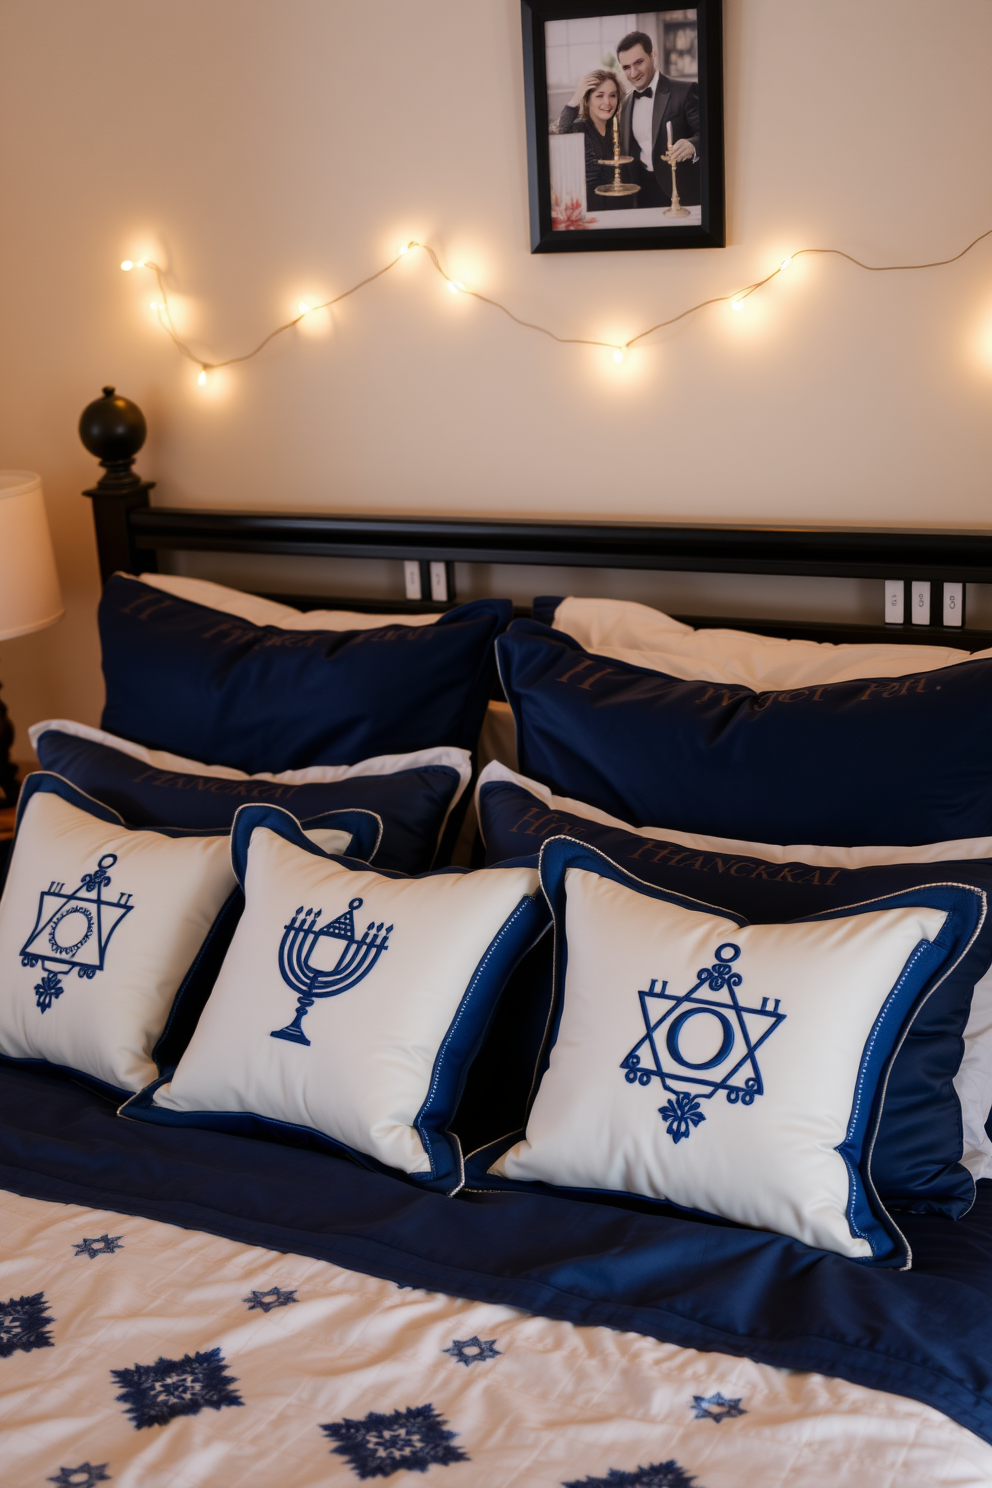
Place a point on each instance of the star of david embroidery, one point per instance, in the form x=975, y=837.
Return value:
x=724, y=1036
x=716, y=1408
x=154, y=1394
x=102, y=1245
x=24, y=1325
x=86, y=1475
x=72, y=931
x=472, y=1350
x=655, y=1475
x=266, y=1301
x=379, y=1445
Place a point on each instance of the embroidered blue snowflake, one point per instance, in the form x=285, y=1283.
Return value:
x=681, y=1115
x=86, y=1475
x=154, y=1393
x=716, y=1408
x=472, y=1350
x=266, y=1301
x=102, y=1245
x=380, y=1445
x=24, y=1325
x=656, y=1475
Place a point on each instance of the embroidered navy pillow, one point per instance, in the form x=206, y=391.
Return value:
x=916, y=1162
x=734, y=1069
x=351, y=1003
x=888, y=760
x=214, y=687
x=412, y=797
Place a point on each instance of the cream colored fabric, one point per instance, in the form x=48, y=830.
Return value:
x=649, y=638
x=555, y=1404
x=259, y=611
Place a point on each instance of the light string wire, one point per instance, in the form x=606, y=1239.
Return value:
x=736, y=299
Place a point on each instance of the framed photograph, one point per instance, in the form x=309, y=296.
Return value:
x=624, y=126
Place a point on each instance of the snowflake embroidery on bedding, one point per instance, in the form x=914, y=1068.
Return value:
x=472, y=1350
x=716, y=1408
x=723, y=1038
x=154, y=1394
x=266, y=1301
x=86, y=1475
x=379, y=1445
x=656, y=1475
x=102, y=1245
x=24, y=1325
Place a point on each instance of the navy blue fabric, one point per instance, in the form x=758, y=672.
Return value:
x=894, y=760
x=965, y=908
x=519, y=932
x=925, y=1333
x=915, y=1163
x=411, y=803
x=216, y=688
x=544, y=607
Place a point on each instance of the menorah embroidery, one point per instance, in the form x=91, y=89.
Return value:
x=730, y=1066
x=297, y=949
x=73, y=931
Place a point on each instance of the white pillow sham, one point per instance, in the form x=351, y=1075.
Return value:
x=745, y=1088
x=99, y=925
x=645, y=637
x=973, y=1082
x=360, y=1035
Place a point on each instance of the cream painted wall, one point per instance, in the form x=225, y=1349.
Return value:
x=271, y=149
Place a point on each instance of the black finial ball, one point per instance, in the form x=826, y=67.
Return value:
x=112, y=428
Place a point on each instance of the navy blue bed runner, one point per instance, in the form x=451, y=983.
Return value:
x=926, y=1333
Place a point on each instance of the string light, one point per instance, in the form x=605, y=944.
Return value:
x=735, y=300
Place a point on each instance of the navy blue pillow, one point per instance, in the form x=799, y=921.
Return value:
x=214, y=687
x=888, y=760
x=915, y=1162
x=411, y=803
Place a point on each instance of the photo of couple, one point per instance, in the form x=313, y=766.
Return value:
x=624, y=126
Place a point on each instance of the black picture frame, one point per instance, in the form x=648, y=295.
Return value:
x=710, y=230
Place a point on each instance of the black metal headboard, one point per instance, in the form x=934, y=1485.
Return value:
x=131, y=533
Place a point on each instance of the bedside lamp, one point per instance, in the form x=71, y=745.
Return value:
x=30, y=598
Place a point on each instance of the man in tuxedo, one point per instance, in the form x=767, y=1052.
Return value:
x=655, y=103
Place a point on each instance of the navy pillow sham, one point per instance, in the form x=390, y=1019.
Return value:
x=214, y=687
x=411, y=803
x=896, y=760
x=916, y=1159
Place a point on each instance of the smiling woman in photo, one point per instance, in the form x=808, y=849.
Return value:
x=590, y=111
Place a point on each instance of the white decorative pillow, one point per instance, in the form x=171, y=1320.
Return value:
x=646, y=637
x=351, y=1003
x=734, y=1069
x=260, y=611
x=103, y=931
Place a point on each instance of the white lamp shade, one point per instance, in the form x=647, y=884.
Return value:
x=30, y=597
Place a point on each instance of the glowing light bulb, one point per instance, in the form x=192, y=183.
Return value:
x=455, y=286
x=202, y=377
x=304, y=308
x=155, y=306
x=618, y=356
x=737, y=304
x=140, y=264
x=786, y=262
x=404, y=248
x=126, y=265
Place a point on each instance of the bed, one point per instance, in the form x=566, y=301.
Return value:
x=183, y=1303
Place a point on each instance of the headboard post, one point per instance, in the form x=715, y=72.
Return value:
x=114, y=429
